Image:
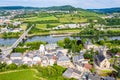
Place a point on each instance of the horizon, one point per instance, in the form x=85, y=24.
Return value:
x=58, y=6
x=91, y=4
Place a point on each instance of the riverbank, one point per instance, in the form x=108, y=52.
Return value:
x=48, y=38
x=41, y=33
x=94, y=36
x=56, y=32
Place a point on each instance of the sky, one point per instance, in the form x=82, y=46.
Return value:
x=86, y=4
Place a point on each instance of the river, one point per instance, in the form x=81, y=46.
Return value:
x=49, y=39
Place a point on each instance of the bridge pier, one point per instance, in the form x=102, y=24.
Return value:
x=24, y=39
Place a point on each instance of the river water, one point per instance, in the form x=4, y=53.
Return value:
x=49, y=39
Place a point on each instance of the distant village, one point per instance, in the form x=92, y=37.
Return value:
x=6, y=19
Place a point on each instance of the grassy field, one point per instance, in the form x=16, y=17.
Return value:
x=19, y=75
x=40, y=73
x=34, y=19
x=69, y=31
x=41, y=26
x=46, y=21
x=63, y=18
x=65, y=31
x=69, y=18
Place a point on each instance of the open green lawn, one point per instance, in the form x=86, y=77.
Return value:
x=19, y=75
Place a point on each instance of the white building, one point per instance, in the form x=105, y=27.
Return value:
x=14, y=56
x=42, y=49
x=4, y=30
x=36, y=59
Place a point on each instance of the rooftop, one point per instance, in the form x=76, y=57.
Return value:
x=77, y=58
x=63, y=58
x=88, y=66
x=16, y=55
x=69, y=71
x=100, y=57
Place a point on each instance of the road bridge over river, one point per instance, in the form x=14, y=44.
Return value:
x=7, y=51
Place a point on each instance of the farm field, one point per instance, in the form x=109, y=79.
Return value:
x=37, y=18
x=18, y=75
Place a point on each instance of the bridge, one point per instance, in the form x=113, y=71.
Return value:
x=15, y=44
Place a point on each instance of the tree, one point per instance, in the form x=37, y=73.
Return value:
x=2, y=66
x=92, y=40
x=23, y=66
x=115, y=50
x=118, y=74
x=67, y=42
x=12, y=66
x=88, y=56
x=60, y=43
x=84, y=40
x=73, y=48
x=79, y=48
x=101, y=42
x=105, y=38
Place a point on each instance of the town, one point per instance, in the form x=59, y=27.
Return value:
x=59, y=43
x=78, y=66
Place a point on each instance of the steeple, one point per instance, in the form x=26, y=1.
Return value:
x=42, y=49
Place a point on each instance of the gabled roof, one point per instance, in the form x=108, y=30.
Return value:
x=94, y=77
x=88, y=66
x=68, y=73
x=90, y=76
x=110, y=78
x=16, y=55
x=77, y=58
x=59, y=54
x=36, y=55
x=63, y=58
x=79, y=63
x=100, y=57
x=17, y=61
x=49, y=56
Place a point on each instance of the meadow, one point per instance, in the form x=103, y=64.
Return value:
x=37, y=18
x=27, y=74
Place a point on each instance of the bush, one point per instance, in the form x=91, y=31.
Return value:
x=52, y=72
x=12, y=66
x=23, y=66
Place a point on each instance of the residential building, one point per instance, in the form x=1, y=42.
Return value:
x=17, y=61
x=78, y=58
x=90, y=76
x=36, y=59
x=72, y=73
x=64, y=61
x=102, y=62
x=14, y=56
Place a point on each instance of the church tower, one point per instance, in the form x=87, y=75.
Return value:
x=42, y=49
